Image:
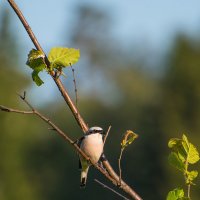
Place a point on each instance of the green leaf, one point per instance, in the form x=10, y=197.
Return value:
x=191, y=176
x=36, y=78
x=128, y=138
x=184, y=138
x=193, y=154
x=62, y=57
x=175, y=194
x=182, y=155
x=173, y=142
x=175, y=161
x=36, y=62
x=176, y=145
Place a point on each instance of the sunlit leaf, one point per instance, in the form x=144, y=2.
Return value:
x=185, y=143
x=191, y=176
x=193, y=154
x=175, y=194
x=63, y=57
x=128, y=138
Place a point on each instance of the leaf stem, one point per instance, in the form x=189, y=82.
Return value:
x=188, y=192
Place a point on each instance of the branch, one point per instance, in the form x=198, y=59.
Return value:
x=112, y=175
x=75, y=86
x=106, y=135
x=105, y=186
x=119, y=165
x=59, y=132
x=58, y=82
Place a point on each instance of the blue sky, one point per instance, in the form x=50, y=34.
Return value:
x=151, y=22
x=154, y=21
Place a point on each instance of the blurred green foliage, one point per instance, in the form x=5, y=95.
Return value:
x=37, y=164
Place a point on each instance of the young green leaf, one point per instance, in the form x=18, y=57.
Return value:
x=36, y=62
x=63, y=57
x=36, y=78
x=128, y=138
x=175, y=194
x=184, y=138
x=193, y=154
x=173, y=142
x=185, y=144
x=175, y=161
x=176, y=145
x=191, y=176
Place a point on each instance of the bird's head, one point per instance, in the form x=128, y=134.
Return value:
x=96, y=129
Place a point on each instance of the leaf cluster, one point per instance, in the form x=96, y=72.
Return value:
x=183, y=153
x=177, y=194
x=59, y=57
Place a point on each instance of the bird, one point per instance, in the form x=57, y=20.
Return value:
x=92, y=145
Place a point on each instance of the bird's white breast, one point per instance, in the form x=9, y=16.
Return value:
x=92, y=145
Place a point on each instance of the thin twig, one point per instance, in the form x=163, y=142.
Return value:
x=105, y=186
x=75, y=86
x=119, y=165
x=106, y=134
x=6, y=109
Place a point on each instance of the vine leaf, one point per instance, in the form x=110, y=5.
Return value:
x=62, y=57
x=36, y=62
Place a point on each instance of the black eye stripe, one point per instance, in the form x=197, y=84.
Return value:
x=95, y=131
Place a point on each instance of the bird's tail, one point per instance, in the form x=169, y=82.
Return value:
x=84, y=177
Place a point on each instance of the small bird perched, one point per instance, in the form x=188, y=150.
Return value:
x=92, y=145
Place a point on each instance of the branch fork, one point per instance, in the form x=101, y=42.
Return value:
x=109, y=172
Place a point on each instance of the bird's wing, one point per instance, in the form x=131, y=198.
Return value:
x=79, y=164
x=79, y=141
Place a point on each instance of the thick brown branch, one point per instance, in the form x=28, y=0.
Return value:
x=122, y=185
x=71, y=105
